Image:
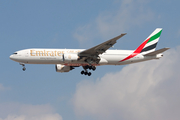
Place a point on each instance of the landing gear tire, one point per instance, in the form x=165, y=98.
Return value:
x=89, y=74
x=82, y=72
x=90, y=67
x=23, y=68
x=93, y=68
x=86, y=73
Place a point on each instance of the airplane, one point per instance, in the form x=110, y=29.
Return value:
x=67, y=59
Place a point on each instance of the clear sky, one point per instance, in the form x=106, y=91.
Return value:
x=148, y=90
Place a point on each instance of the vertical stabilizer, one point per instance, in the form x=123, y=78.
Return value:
x=149, y=45
x=151, y=42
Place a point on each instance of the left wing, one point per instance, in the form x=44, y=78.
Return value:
x=92, y=54
x=101, y=48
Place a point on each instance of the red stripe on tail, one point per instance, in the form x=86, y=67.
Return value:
x=137, y=51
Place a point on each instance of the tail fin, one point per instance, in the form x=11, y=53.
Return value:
x=149, y=45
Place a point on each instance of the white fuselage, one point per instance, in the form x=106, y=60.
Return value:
x=69, y=57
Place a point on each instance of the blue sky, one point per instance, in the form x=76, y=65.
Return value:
x=112, y=92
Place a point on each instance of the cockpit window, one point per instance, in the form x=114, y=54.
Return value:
x=15, y=53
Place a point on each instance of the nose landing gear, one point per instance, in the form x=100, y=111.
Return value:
x=23, y=68
x=23, y=65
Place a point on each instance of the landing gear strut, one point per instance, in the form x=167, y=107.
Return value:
x=85, y=72
x=23, y=65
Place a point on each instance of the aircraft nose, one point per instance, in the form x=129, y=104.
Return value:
x=11, y=57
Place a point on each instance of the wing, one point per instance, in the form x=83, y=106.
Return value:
x=92, y=55
x=101, y=48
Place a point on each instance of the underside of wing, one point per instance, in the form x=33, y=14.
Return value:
x=92, y=55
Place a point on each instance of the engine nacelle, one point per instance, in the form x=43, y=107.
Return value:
x=69, y=57
x=63, y=68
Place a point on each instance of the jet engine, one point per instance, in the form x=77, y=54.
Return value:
x=63, y=68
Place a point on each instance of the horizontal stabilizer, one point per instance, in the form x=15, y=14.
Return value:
x=156, y=52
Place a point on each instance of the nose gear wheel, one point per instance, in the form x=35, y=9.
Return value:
x=23, y=65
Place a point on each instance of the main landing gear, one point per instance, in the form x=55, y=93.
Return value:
x=85, y=72
x=23, y=65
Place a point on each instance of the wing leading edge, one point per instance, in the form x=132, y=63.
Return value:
x=101, y=48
